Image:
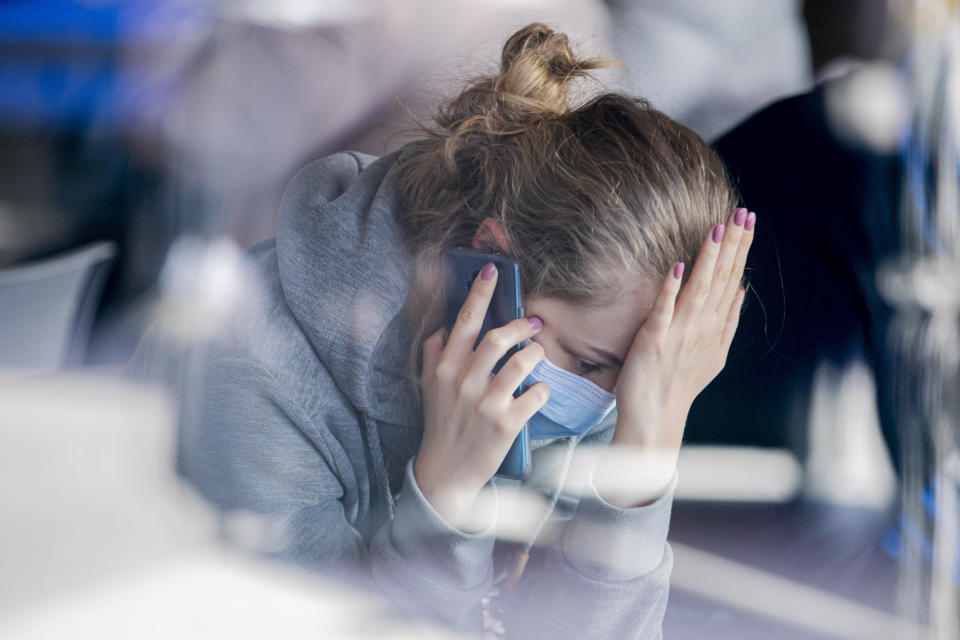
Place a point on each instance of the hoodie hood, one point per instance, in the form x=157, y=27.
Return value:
x=346, y=270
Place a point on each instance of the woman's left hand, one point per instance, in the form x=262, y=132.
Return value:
x=679, y=349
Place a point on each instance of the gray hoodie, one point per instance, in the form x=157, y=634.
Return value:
x=300, y=411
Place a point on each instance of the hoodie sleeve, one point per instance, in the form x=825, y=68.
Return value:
x=607, y=575
x=429, y=567
x=248, y=450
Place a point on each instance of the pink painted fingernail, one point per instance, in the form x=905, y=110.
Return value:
x=488, y=271
x=718, y=233
x=739, y=217
x=535, y=322
x=751, y=221
x=678, y=270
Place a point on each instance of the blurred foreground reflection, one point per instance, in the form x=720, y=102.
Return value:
x=100, y=539
x=179, y=124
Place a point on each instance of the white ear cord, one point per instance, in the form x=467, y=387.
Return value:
x=513, y=573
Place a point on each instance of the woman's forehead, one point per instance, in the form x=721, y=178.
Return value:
x=610, y=326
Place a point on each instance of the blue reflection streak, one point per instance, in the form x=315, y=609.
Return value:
x=67, y=64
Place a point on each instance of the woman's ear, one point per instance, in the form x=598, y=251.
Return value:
x=490, y=236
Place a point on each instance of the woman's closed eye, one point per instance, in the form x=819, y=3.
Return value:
x=584, y=367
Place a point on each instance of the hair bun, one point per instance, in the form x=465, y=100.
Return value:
x=536, y=69
x=538, y=64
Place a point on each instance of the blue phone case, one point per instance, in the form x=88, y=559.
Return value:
x=460, y=270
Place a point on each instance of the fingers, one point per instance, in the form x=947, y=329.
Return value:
x=509, y=414
x=723, y=272
x=658, y=322
x=495, y=345
x=740, y=260
x=698, y=286
x=516, y=369
x=719, y=267
x=529, y=402
x=432, y=348
x=465, y=330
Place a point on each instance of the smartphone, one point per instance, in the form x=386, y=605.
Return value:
x=461, y=267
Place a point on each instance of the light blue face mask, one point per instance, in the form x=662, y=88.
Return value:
x=576, y=405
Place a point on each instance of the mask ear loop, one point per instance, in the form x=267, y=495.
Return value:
x=520, y=558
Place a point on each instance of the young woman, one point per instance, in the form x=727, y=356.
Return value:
x=341, y=408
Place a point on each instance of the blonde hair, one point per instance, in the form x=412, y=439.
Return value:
x=591, y=197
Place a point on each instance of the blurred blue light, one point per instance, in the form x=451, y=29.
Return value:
x=69, y=64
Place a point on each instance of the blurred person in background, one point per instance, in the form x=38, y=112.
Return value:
x=336, y=408
x=796, y=156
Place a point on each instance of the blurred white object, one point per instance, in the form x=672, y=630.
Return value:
x=300, y=13
x=710, y=64
x=87, y=487
x=848, y=462
x=100, y=539
x=202, y=285
x=738, y=474
x=870, y=106
x=46, y=307
x=215, y=595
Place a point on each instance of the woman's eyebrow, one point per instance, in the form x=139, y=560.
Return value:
x=599, y=354
x=606, y=355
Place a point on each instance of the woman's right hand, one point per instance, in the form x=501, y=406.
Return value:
x=471, y=417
